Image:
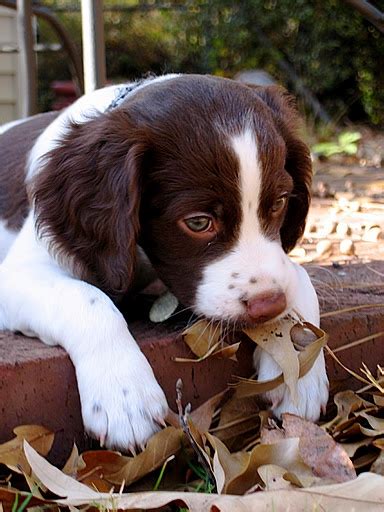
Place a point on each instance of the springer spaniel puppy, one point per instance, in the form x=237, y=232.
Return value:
x=204, y=177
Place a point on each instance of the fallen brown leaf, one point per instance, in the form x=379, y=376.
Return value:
x=275, y=339
x=96, y=465
x=73, y=463
x=11, y=452
x=202, y=336
x=162, y=445
x=284, y=453
x=202, y=416
x=307, y=357
x=318, y=450
x=364, y=493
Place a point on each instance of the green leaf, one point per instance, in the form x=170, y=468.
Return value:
x=347, y=138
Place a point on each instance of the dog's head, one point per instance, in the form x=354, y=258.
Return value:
x=206, y=174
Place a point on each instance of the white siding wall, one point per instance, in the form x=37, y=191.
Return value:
x=9, y=104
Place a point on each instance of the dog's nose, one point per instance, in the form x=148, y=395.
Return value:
x=266, y=306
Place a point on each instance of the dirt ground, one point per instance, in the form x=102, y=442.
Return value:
x=346, y=219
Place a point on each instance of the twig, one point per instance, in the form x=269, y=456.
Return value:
x=183, y=418
x=358, y=342
x=350, y=309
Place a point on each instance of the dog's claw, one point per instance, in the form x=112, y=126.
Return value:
x=132, y=449
x=275, y=403
x=161, y=421
x=102, y=440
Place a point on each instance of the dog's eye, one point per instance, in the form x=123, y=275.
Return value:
x=279, y=204
x=199, y=224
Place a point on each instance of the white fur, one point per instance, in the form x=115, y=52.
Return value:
x=229, y=280
x=120, y=398
x=7, y=237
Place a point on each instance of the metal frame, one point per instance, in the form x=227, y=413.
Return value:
x=93, y=44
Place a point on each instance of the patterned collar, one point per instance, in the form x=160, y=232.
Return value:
x=121, y=93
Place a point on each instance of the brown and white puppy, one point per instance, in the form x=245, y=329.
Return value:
x=207, y=176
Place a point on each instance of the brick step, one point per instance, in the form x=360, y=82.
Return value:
x=38, y=384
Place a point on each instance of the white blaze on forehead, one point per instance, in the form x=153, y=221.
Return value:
x=245, y=147
x=254, y=264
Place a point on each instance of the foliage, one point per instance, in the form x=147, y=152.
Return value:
x=345, y=144
x=329, y=46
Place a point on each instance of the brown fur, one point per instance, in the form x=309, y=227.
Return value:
x=15, y=145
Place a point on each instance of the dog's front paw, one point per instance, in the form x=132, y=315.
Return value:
x=312, y=388
x=122, y=403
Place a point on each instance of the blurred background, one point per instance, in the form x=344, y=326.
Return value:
x=324, y=51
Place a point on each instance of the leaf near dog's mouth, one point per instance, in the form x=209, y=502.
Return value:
x=293, y=344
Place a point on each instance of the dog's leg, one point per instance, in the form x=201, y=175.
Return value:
x=121, y=400
x=313, y=387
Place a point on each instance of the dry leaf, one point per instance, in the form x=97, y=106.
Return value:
x=205, y=340
x=347, y=402
x=307, y=357
x=73, y=463
x=273, y=477
x=202, y=416
x=245, y=388
x=8, y=497
x=324, y=248
x=378, y=465
x=275, y=339
x=235, y=409
x=162, y=445
x=201, y=358
x=347, y=247
x=238, y=418
x=228, y=465
x=376, y=423
x=284, y=453
x=227, y=352
x=365, y=493
x=11, y=452
x=372, y=234
x=218, y=472
x=55, y=480
x=202, y=336
x=317, y=449
x=343, y=229
x=96, y=464
x=378, y=399
x=351, y=448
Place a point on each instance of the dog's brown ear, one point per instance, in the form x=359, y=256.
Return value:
x=87, y=199
x=298, y=162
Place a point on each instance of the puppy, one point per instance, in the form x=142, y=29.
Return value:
x=205, y=175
